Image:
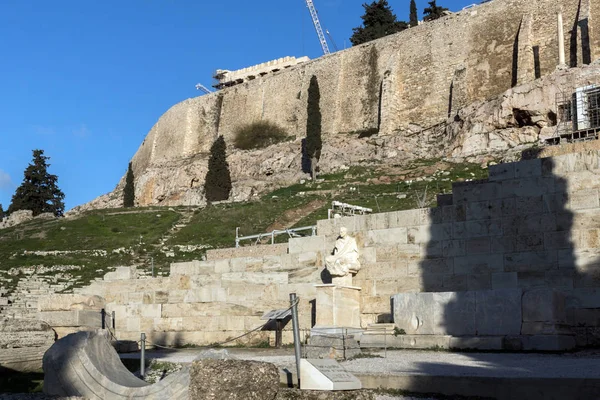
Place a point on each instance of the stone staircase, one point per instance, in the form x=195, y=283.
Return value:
x=22, y=302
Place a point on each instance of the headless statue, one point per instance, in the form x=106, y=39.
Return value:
x=343, y=261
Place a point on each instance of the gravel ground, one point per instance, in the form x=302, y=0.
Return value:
x=413, y=362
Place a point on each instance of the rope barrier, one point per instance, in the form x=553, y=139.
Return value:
x=218, y=344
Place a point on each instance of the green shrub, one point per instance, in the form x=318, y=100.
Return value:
x=258, y=135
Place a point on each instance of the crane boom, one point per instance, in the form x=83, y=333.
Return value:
x=315, y=18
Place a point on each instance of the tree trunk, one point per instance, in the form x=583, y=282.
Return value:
x=313, y=167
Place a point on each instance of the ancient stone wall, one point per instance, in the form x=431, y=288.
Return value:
x=532, y=227
x=402, y=86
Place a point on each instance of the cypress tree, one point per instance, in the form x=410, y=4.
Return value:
x=314, y=143
x=433, y=11
x=129, y=189
x=1, y=212
x=39, y=190
x=217, y=184
x=378, y=21
x=414, y=18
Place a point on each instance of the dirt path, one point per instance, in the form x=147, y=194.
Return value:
x=291, y=217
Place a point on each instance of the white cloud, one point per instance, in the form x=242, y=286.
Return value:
x=82, y=131
x=5, y=181
x=43, y=130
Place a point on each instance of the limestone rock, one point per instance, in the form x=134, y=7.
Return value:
x=16, y=333
x=233, y=379
x=67, y=302
x=16, y=218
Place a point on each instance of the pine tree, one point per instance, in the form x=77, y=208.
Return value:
x=129, y=189
x=414, y=18
x=378, y=21
x=314, y=143
x=1, y=212
x=433, y=11
x=217, y=185
x=39, y=191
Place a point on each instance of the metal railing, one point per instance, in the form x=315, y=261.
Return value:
x=292, y=232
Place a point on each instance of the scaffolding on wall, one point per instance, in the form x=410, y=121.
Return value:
x=578, y=115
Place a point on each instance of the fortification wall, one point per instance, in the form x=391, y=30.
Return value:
x=533, y=225
x=401, y=85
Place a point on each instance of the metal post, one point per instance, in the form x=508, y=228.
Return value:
x=278, y=333
x=113, y=320
x=103, y=317
x=296, y=328
x=143, y=354
x=237, y=235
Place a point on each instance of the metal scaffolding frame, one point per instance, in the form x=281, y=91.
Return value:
x=577, y=115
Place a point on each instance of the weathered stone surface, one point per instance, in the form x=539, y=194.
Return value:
x=85, y=364
x=19, y=333
x=233, y=379
x=28, y=359
x=543, y=305
x=67, y=302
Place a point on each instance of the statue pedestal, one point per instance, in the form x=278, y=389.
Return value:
x=338, y=306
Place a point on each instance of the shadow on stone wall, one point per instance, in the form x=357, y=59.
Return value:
x=517, y=236
x=580, y=28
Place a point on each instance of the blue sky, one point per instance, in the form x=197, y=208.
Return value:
x=86, y=80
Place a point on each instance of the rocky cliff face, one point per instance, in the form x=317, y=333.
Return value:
x=463, y=86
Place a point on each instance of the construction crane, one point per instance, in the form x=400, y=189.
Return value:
x=315, y=19
x=203, y=88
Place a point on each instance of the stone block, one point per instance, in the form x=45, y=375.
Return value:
x=504, y=280
x=478, y=264
x=498, y=312
x=408, y=218
x=120, y=273
x=222, y=266
x=455, y=283
x=555, y=202
x=531, y=279
x=453, y=248
x=473, y=229
x=422, y=342
x=548, y=343
x=431, y=266
x=338, y=306
x=501, y=172
x=387, y=236
x=206, y=294
x=279, y=278
x=525, y=187
x=483, y=210
x=531, y=242
x=425, y=233
x=306, y=244
x=151, y=310
x=476, y=342
x=530, y=261
x=72, y=318
x=543, y=305
x=583, y=298
x=67, y=302
x=503, y=244
x=545, y=328
x=588, y=239
x=528, y=168
x=192, y=268
x=584, y=199
x=479, y=245
x=479, y=282
x=529, y=205
x=559, y=279
x=476, y=192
